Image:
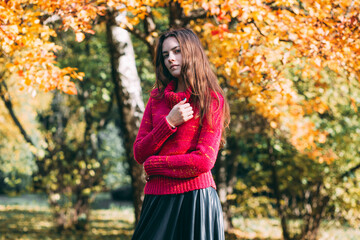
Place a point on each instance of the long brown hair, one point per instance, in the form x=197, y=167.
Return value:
x=196, y=73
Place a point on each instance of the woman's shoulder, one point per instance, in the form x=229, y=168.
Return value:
x=156, y=94
x=217, y=97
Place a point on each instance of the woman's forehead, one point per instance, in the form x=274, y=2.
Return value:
x=169, y=44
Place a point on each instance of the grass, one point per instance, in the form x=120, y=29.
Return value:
x=22, y=222
x=265, y=228
x=29, y=218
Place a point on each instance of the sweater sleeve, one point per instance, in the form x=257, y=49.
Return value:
x=150, y=138
x=192, y=164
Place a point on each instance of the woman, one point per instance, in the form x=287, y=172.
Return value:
x=178, y=142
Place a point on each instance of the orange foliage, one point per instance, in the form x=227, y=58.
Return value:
x=268, y=37
x=249, y=42
x=25, y=40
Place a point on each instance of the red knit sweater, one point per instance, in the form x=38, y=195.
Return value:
x=177, y=159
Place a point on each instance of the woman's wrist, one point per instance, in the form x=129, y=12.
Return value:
x=171, y=125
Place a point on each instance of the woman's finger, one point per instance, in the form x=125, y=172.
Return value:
x=190, y=117
x=186, y=108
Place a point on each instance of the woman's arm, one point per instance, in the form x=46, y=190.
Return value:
x=150, y=138
x=196, y=162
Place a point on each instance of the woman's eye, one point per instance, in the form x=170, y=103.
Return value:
x=165, y=56
x=177, y=50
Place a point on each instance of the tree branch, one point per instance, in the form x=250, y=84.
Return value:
x=349, y=8
x=256, y=26
x=195, y=14
x=149, y=23
x=5, y=96
x=350, y=171
x=142, y=37
x=275, y=7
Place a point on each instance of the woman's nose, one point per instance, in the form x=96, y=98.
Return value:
x=171, y=57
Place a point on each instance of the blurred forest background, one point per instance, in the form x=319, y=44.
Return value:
x=74, y=80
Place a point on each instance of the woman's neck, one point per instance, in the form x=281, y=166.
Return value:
x=180, y=86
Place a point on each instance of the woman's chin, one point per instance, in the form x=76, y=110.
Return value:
x=176, y=75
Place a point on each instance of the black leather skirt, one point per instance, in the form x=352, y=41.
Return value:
x=195, y=215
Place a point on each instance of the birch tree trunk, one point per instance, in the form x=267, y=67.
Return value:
x=128, y=97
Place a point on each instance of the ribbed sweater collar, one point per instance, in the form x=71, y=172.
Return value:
x=173, y=98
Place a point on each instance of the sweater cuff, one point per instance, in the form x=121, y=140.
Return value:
x=152, y=166
x=163, y=130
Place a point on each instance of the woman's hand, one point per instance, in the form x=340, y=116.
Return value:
x=180, y=113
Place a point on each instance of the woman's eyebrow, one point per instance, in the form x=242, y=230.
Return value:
x=170, y=49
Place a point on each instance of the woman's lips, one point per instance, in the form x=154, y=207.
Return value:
x=173, y=66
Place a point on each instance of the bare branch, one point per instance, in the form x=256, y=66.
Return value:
x=199, y=13
x=5, y=96
x=350, y=171
x=275, y=8
x=349, y=8
x=259, y=30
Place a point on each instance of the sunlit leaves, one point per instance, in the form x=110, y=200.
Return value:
x=25, y=41
x=251, y=43
x=268, y=33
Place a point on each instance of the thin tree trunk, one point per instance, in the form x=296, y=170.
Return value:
x=232, y=168
x=221, y=176
x=226, y=169
x=128, y=96
x=176, y=15
x=275, y=183
x=313, y=219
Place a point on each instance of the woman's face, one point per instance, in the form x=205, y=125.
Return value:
x=172, y=56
